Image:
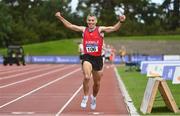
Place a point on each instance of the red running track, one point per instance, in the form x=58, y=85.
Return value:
x=55, y=89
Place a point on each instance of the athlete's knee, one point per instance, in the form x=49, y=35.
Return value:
x=86, y=81
x=87, y=77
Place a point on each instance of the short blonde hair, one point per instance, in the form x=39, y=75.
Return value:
x=91, y=15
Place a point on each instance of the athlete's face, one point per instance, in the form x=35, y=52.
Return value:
x=91, y=21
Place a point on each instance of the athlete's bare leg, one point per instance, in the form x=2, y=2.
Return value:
x=97, y=78
x=87, y=70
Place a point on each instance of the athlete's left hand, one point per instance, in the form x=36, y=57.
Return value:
x=122, y=18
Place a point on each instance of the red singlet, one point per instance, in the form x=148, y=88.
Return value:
x=92, y=42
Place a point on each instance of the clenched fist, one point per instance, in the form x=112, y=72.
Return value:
x=58, y=14
x=122, y=18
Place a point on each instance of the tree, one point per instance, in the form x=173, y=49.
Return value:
x=172, y=14
x=5, y=24
x=103, y=9
x=34, y=21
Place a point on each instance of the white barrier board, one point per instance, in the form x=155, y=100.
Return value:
x=157, y=70
x=154, y=70
x=144, y=64
x=171, y=57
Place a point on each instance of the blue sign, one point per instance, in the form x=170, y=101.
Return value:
x=144, y=68
x=168, y=72
x=54, y=59
x=1, y=59
x=117, y=60
x=155, y=58
x=138, y=58
x=43, y=59
x=67, y=59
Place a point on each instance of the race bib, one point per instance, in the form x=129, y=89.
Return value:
x=91, y=48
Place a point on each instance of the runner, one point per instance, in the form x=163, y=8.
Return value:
x=122, y=53
x=112, y=57
x=80, y=50
x=107, y=53
x=92, y=63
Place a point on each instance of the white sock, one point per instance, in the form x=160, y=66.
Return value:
x=93, y=97
x=86, y=97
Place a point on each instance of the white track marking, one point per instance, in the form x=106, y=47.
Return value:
x=65, y=105
x=22, y=113
x=13, y=68
x=127, y=99
x=19, y=74
x=18, y=70
x=7, y=68
x=37, y=89
x=34, y=77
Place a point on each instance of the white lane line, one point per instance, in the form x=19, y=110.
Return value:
x=32, y=71
x=14, y=68
x=22, y=113
x=8, y=68
x=37, y=89
x=18, y=70
x=35, y=77
x=67, y=103
x=127, y=99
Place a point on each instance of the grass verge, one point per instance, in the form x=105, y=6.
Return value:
x=136, y=84
x=60, y=47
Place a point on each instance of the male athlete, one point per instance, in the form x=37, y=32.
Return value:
x=92, y=62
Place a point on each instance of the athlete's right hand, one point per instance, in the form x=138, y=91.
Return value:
x=58, y=14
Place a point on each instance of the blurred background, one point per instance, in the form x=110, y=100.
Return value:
x=29, y=31
x=33, y=21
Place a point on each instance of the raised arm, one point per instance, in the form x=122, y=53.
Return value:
x=68, y=24
x=114, y=27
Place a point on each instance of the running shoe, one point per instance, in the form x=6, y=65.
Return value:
x=84, y=102
x=93, y=102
